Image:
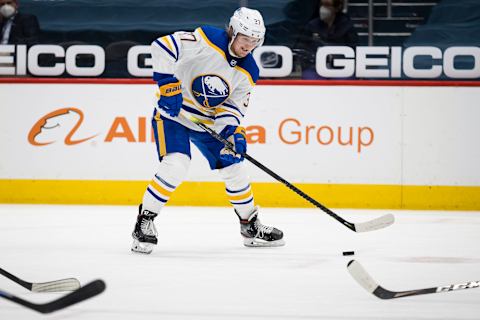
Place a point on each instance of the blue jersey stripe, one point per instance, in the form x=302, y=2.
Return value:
x=231, y=106
x=176, y=47
x=166, y=49
x=191, y=110
x=228, y=115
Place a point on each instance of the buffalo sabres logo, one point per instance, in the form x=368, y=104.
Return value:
x=210, y=90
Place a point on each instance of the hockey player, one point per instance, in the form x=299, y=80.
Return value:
x=205, y=75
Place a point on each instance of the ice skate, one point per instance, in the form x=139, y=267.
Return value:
x=145, y=234
x=255, y=234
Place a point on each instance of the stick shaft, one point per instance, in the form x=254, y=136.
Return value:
x=278, y=177
x=15, y=279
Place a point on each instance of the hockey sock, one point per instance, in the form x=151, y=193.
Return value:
x=171, y=172
x=239, y=191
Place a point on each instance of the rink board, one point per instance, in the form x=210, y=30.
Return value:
x=266, y=194
x=400, y=146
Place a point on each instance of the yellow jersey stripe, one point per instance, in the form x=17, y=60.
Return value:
x=167, y=42
x=206, y=111
x=197, y=120
x=249, y=77
x=160, y=135
x=220, y=110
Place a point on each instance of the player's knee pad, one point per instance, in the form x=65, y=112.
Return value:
x=235, y=176
x=174, y=167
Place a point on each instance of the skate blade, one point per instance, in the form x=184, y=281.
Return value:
x=252, y=242
x=142, y=247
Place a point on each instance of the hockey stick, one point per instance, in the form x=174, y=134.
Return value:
x=375, y=224
x=69, y=284
x=367, y=282
x=90, y=290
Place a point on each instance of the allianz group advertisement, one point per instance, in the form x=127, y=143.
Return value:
x=306, y=134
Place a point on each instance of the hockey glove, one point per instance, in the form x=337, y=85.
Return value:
x=236, y=136
x=170, y=96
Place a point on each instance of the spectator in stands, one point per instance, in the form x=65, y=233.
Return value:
x=16, y=27
x=329, y=27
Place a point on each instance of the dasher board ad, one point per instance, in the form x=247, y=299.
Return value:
x=308, y=134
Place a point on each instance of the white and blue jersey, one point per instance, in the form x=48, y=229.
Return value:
x=215, y=86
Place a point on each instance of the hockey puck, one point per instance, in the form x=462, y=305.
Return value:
x=348, y=253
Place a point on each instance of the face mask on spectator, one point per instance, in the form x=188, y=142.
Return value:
x=325, y=13
x=7, y=10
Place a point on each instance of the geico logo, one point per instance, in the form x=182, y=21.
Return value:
x=390, y=62
x=292, y=131
x=362, y=62
x=57, y=125
x=330, y=61
x=377, y=62
x=28, y=60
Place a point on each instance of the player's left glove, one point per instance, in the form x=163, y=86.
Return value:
x=236, y=136
x=170, y=95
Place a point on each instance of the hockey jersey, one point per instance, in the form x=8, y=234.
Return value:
x=215, y=86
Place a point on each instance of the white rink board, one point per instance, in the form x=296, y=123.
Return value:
x=421, y=135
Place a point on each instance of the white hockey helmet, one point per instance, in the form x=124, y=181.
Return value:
x=248, y=22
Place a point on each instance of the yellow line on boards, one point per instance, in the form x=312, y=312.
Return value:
x=266, y=194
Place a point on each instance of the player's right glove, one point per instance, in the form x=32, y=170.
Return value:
x=170, y=95
x=236, y=136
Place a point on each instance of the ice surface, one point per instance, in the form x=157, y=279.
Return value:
x=201, y=270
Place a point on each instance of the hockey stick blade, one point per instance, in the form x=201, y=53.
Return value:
x=366, y=281
x=375, y=224
x=69, y=284
x=88, y=291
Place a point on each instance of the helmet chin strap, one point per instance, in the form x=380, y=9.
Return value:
x=230, y=48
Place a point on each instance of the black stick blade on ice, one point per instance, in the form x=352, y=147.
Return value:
x=69, y=284
x=366, y=281
x=88, y=291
